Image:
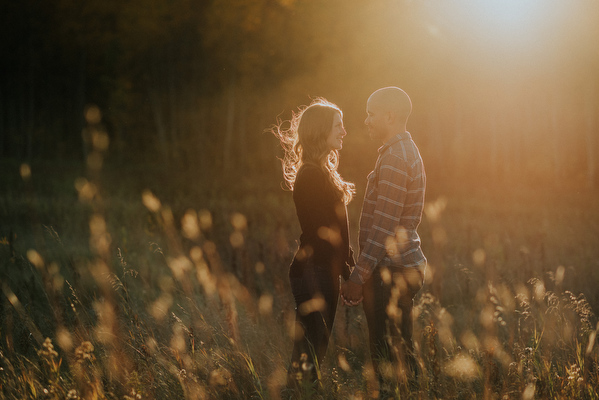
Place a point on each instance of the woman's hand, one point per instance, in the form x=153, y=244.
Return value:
x=351, y=293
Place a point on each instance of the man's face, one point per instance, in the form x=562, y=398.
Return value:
x=375, y=120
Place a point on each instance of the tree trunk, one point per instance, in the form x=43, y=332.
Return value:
x=460, y=153
x=155, y=96
x=22, y=121
x=494, y=157
x=172, y=103
x=31, y=100
x=230, y=125
x=80, y=108
x=590, y=136
x=557, y=167
x=199, y=153
x=158, y=115
x=3, y=127
x=11, y=129
x=242, y=144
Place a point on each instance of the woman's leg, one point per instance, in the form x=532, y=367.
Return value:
x=316, y=303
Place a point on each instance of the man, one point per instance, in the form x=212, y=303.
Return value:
x=390, y=268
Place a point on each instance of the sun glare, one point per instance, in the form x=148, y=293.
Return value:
x=508, y=22
x=512, y=29
x=509, y=15
x=517, y=24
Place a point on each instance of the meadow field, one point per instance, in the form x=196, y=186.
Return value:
x=145, y=236
x=134, y=284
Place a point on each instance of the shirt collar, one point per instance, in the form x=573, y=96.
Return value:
x=400, y=136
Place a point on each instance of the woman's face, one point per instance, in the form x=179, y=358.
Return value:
x=335, y=138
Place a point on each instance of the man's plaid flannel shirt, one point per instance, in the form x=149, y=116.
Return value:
x=392, y=210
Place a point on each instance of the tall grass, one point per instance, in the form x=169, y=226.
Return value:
x=108, y=298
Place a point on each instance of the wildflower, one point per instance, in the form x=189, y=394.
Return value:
x=47, y=350
x=575, y=380
x=574, y=374
x=220, y=377
x=133, y=395
x=73, y=395
x=307, y=366
x=84, y=352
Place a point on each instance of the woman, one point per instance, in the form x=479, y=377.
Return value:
x=312, y=145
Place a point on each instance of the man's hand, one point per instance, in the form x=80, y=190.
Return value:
x=351, y=293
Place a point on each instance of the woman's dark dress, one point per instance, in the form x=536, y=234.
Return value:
x=323, y=255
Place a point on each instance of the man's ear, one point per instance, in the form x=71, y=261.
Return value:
x=390, y=117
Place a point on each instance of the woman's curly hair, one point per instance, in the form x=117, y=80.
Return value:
x=305, y=141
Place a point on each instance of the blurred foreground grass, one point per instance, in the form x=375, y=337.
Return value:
x=134, y=284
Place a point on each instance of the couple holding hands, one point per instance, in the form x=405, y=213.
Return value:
x=389, y=269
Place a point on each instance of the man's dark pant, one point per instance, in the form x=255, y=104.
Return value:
x=316, y=291
x=388, y=305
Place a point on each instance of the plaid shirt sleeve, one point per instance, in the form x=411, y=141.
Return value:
x=391, y=197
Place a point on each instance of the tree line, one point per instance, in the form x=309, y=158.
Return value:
x=193, y=85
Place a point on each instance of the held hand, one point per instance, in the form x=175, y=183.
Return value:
x=351, y=293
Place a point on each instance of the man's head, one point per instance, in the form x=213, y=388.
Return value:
x=388, y=110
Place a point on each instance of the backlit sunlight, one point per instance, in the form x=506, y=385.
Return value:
x=505, y=23
x=509, y=16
